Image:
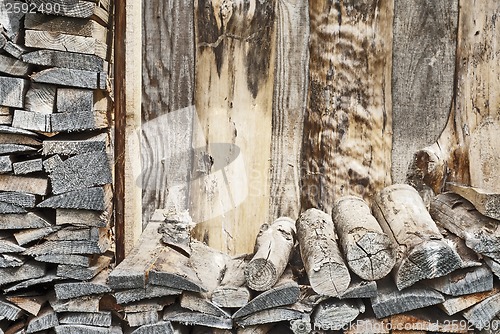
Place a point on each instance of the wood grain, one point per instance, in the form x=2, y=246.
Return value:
x=347, y=139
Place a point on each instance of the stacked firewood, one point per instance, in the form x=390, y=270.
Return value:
x=55, y=163
x=384, y=269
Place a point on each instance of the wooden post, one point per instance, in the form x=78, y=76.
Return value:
x=127, y=90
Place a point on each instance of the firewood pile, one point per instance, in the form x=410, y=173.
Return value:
x=55, y=167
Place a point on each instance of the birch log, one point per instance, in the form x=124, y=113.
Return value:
x=368, y=250
x=422, y=250
x=348, y=129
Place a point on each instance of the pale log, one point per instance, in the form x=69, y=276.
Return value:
x=73, y=99
x=69, y=146
x=13, y=92
x=272, y=315
x=273, y=248
x=77, y=233
x=27, y=166
x=208, y=264
x=164, y=327
x=494, y=265
x=79, y=217
x=41, y=98
x=323, y=261
x=100, y=319
x=468, y=256
x=464, y=281
x=335, y=314
x=32, y=120
x=9, y=311
x=486, y=202
x=10, y=208
x=156, y=304
x=453, y=305
x=13, y=66
x=232, y=291
x=20, y=139
x=390, y=300
x=71, y=26
x=30, y=304
x=177, y=314
x=54, y=58
x=79, y=121
x=360, y=289
x=235, y=95
x=45, y=320
x=482, y=314
x=23, y=221
x=72, y=8
x=369, y=252
x=96, y=198
x=175, y=229
x=423, y=252
x=28, y=270
x=457, y=215
x=148, y=292
x=349, y=101
x=31, y=185
x=45, y=279
x=82, y=304
x=69, y=77
x=199, y=303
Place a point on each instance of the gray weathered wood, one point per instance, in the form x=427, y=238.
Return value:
x=360, y=289
x=72, y=26
x=54, y=58
x=175, y=229
x=11, y=208
x=30, y=304
x=453, y=305
x=74, y=174
x=79, y=121
x=457, y=215
x=132, y=272
x=96, y=143
x=27, y=166
x=135, y=319
x=368, y=251
x=78, y=217
x=10, y=20
x=16, y=131
x=208, y=264
x=95, y=286
x=486, y=202
x=101, y=319
x=77, y=233
x=199, y=303
x=15, y=149
x=232, y=291
x=22, y=199
x=177, y=314
x=13, y=92
x=69, y=247
x=82, y=304
x=464, y=281
x=335, y=314
x=71, y=259
x=68, y=77
x=149, y=292
x=273, y=247
x=164, y=327
x=9, y=311
x=323, y=261
x=7, y=245
x=28, y=270
x=423, y=252
x=272, y=315
x=23, y=221
x=391, y=301
x=13, y=66
x=290, y=92
x=84, y=273
x=32, y=120
x=14, y=50
x=96, y=198
x=45, y=320
x=425, y=34
x=20, y=139
x=42, y=280
x=83, y=329
x=5, y=164
x=11, y=260
x=71, y=8
x=483, y=313
x=41, y=98
x=72, y=99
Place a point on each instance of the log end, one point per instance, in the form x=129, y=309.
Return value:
x=332, y=279
x=261, y=275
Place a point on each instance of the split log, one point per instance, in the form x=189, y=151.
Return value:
x=13, y=92
x=157, y=304
x=40, y=98
x=232, y=291
x=74, y=8
x=54, y=58
x=20, y=139
x=79, y=217
x=347, y=103
x=9, y=311
x=45, y=320
x=453, y=305
x=10, y=20
x=22, y=199
x=11, y=208
x=486, y=202
x=78, y=233
x=82, y=304
x=30, y=304
x=71, y=259
x=175, y=229
x=468, y=256
x=208, y=264
x=7, y=245
x=22, y=221
x=11, y=260
x=494, y=265
x=164, y=327
x=323, y=261
x=96, y=286
x=27, y=166
x=31, y=120
x=69, y=77
x=457, y=215
x=83, y=329
x=69, y=247
x=482, y=314
x=199, y=303
x=96, y=198
x=390, y=300
x=272, y=315
x=285, y=292
x=273, y=248
x=149, y=292
x=360, y=289
x=16, y=149
x=423, y=252
x=72, y=26
x=79, y=121
x=68, y=147
x=28, y=270
x=101, y=319
x=84, y=273
x=13, y=66
x=73, y=99
x=177, y=314
x=14, y=50
x=42, y=280
x=369, y=252
x=231, y=93
x=464, y=281
x=335, y=314
x=5, y=164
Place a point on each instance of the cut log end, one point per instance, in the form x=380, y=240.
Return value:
x=260, y=275
x=331, y=279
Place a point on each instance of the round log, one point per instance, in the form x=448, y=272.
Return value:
x=323, y=261
x=273, y=247
x=369, y=252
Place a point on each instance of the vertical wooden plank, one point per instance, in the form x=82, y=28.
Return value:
x=168, y=77
x=235, y=56
x=348, y=129
x=289, y=104
x=466, y=152
x=425, y=33
x=128, y=60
